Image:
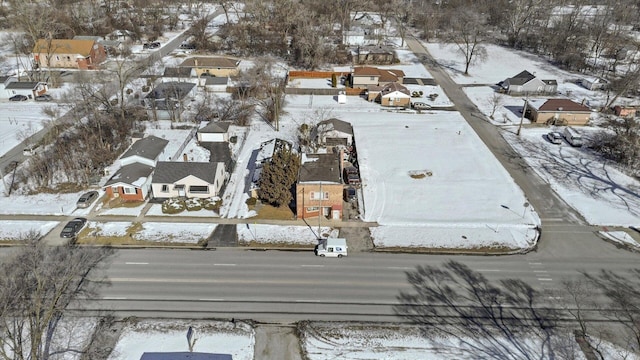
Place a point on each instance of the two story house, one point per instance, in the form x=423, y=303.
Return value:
x=319, y=190
x=68, y=53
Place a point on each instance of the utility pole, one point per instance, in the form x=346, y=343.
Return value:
x=524, y=111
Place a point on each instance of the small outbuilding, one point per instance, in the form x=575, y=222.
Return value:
x=214, y=131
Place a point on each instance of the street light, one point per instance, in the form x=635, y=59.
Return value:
x=524, y=111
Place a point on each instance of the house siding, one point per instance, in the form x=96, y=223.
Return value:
x=304, y=200
x=393, y=100
x=213, y=137
x=364, y=81
x=569, y=117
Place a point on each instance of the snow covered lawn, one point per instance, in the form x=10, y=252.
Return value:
x=621, y=237
x=186, y=233
x=601, y=193
x=285, y=235
x=12, y=230
x=40, y=204
x=170, y=336
x=431, y=182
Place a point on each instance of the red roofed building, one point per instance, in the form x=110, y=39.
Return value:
x=559, y=112
x=366, y=76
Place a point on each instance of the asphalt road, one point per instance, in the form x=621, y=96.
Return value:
x=277, y=286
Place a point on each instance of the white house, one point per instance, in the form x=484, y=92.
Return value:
x=30, y=89
x=215, y=131
x=594, y=83
x=145, y=151
x=188, y=179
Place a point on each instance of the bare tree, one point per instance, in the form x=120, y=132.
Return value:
x=496, y=101
x=38, y=284
x=467, y=34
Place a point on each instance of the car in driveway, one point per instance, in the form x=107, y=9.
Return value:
x=554, y=137
x=73, y=227
x=87, y=199
x=45, y=97
x=18, y=98
x=151, y=45
x=421, y=106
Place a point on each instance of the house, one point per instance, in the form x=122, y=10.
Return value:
x=145, y=151
x=30, y=89
x=365, y=76
x=372, y=55
x=165, y=101
x=68, y=53
x=178, y=72
x=527, y=83
x=214, y=131
x=319, y=189
x=394, y=94
x=214, y=84
x=212, y=65
x=334, y=132
x=558, y=112
x=626, y=111
x=131, y=182
x=188, y=179
x=184, y=356
x=594, y=83
x=354, y=36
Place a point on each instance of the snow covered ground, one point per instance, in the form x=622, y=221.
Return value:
x=185, y=233
x=217, y=337
x=12, y=230
x=292, y=235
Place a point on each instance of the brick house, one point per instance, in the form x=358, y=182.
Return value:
x=319, y=189
x=68, y=53
x=130, y=183
x=558, y=112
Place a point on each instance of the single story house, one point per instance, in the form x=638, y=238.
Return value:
x=372, y=55
x=559, y=112
x=188, y=179
x=165, y=101
x=145, y=151
x=68, y=53
x=365, y=76
x=319, y=189
x=333, y=132
x=131, y=182
x=178, y=72
x=214, y=131
x=594, y=83
x=30, y=89
x=212, y=65
x=527, y=83
x=394, y=94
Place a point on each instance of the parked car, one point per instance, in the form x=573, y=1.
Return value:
x=45, y=97
x=554, y=137
x=151, y=45
x=18, y=98
x=73, y=227
x=87, y=199
x=421, y=106
x=350, y=194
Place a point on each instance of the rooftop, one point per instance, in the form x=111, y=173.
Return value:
x=149, y=148
x=171, y=171
x=133, y=174
x=216, y=62
x=320, y=168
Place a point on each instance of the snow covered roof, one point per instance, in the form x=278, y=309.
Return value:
x=149, y=148
x=133, y=174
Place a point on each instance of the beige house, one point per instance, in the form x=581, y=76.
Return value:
x=366, y=76
x=394, y=94
x=212, y=66
x=69, y=53
x=558, y=112
x=188, y=179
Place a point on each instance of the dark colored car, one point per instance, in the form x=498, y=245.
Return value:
x=73, y=227
x=87, y=199
x=151, y=45
x=18, y=98
x=44, y=97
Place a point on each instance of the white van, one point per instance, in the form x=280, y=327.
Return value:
x=572, y=136
x=332, y=247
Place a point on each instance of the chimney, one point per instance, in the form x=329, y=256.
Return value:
x=185, y=158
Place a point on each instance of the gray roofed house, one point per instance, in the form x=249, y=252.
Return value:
x=216, y=80
x=177, y=72
x=130, y=183
x=328, y=131
x=144, y=151
x=320, y=168
x=527, y=83
x=31, y=89
x=188, y=179
x=184, y=356
x=24, y=85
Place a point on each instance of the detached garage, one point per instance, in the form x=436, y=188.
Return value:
x=215, y=131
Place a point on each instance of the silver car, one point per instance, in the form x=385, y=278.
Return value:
x=554, y=137
x=87, y=199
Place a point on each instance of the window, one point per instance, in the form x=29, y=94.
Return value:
x=129, y=190
x=319, y=196
x=372, y=78
x=114, y=190
x=313, y=209
x=57, y=57
x=178, y=187
x=199, y=189
x=165, y=188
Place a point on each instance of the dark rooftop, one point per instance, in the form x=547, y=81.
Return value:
x=216, y=127
x=129, y=174
x=168, y=172
x=148, y=148
x=171, y=89
x=23, y=85
x=336, y=124
x=320, y=167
